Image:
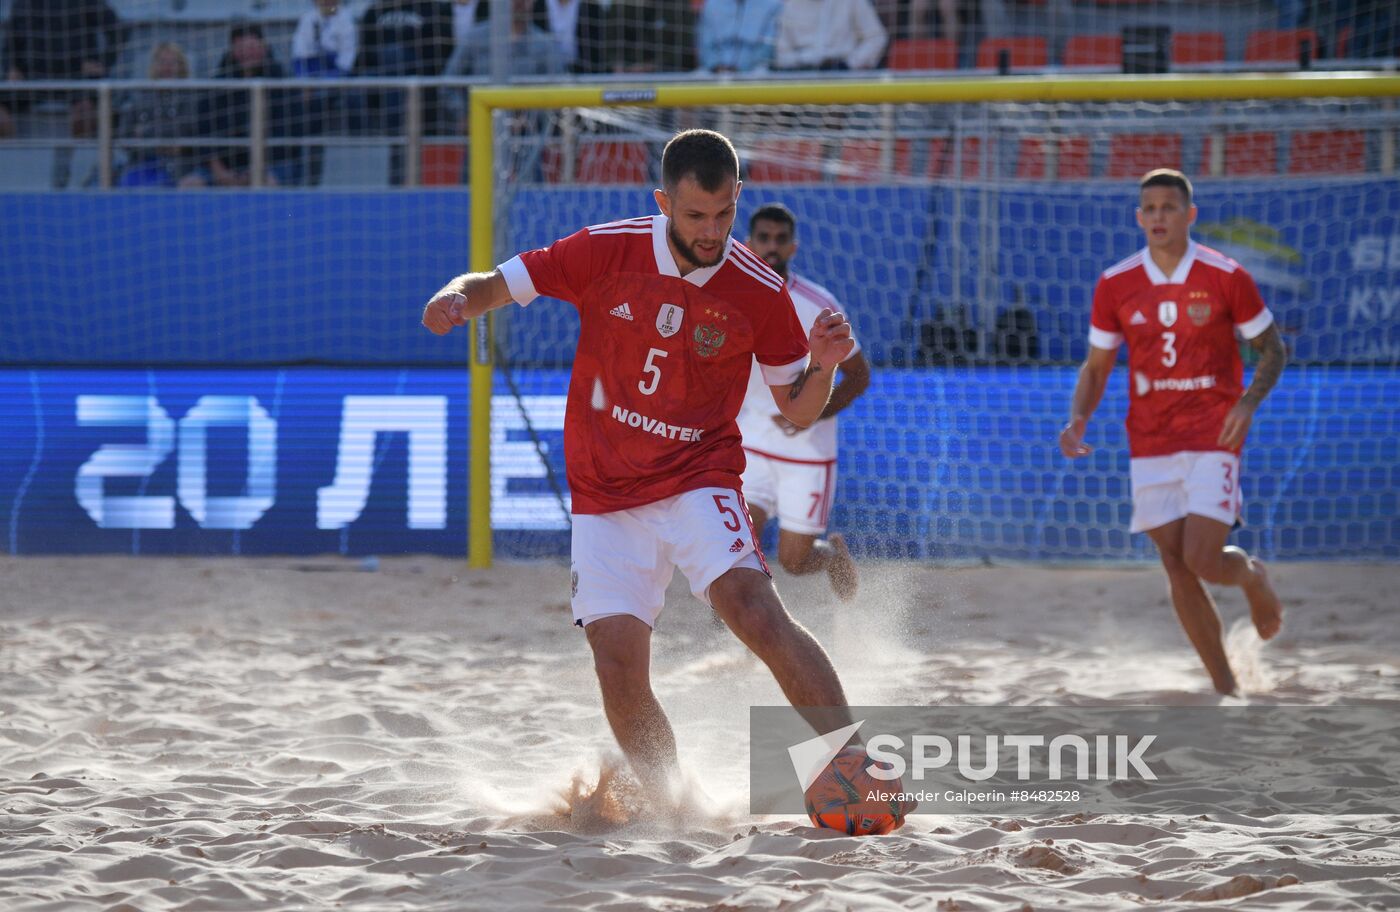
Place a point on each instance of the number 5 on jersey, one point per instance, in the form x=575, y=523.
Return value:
x=652, y=370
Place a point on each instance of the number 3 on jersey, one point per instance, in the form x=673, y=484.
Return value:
x=652, y=370
x=1168, y=348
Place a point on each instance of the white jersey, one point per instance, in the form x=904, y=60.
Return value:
x=818, y=442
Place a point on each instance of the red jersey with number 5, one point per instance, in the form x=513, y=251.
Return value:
x=662, y=361
x=1185, y=372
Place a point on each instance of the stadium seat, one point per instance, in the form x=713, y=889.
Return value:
x=860, y=160
x=1198, y=47
x=26, y=168
x=940, y=157
x=1073, y=160
x=1026, y=52
x=1247, y=153
x=356, y=166
x=1134, y=154
x=1327, y=152
x=442, y=165
x=923, y=54
x=1278, y=45
x=613, y=162
x=786, y=161
x=1094, y=50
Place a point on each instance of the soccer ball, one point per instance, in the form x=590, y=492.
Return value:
x=838, y=798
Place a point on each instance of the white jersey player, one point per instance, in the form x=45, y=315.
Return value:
x=791, y=472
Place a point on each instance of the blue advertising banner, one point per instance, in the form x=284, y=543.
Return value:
x=935, y=464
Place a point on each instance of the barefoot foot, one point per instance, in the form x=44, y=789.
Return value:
x=841, y=570
x=1265, y=609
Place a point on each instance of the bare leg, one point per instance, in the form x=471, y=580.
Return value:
x=1194, y=608
x=1226, y=565
x=622, y=657
x=747, y=602
x=801, y=554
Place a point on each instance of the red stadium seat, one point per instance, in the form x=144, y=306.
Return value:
x=1026, y=53
x=940, y=157
x=1198, y=47
x=860, y=160
x=1278, y=45
x=1074, y=158
x=1134, y=154
x=1094, y=50
x=1327, y=152
x=786, y=161
x=1247, y=153
x=923, y=54
x=613, y=163
x=441, y=165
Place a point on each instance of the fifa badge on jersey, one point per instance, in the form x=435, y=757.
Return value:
x=1166, y=313
x=708, y=339
x=1199, y=313
x=668, y=320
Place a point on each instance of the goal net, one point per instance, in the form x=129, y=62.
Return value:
x=965, y=239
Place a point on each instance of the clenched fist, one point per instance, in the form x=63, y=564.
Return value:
x=446, y=310
x=830, y=339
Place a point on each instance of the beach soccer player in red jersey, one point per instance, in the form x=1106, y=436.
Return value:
x=673, y=312
x=1178, y=305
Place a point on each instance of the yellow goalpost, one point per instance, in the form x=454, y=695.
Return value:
x=991, y=89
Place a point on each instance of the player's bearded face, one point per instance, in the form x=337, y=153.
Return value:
x=701, y=221
x=773, y=242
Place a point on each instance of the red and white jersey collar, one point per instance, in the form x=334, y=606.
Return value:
x=1156, y=276
x=666, y=262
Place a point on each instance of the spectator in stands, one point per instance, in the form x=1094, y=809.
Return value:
x=829, y=35
x=532, y=52
x=228, y=113
x=651, y=37
x=325, y=43
x=404, y=38
x=579, y=28
x=738, y=36
x=59, y=39
x=161, y=114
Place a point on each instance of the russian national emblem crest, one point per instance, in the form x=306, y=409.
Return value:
x=708, y=340
x=1199, y=313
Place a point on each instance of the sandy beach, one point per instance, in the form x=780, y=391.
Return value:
x=237, y=734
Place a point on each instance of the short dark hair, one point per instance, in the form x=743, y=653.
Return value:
x=704, y=155
x=1166, y=177
x=774, y=212
x=243, y=30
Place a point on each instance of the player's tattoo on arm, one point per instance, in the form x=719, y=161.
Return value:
x=796, y=389
x=1272, y=357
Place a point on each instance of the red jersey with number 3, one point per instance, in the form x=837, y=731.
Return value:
x=1184, y=367
x=662, y=361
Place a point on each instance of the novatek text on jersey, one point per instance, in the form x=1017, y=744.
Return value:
x=654, y=425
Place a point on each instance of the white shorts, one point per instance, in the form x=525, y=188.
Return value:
x=622, y=562
x=798, y=493
x=1167, y=488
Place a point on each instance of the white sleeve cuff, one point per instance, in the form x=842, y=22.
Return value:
x=1254, y=327
x=1102, y=338
x=782, y=374
x=522, y=287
